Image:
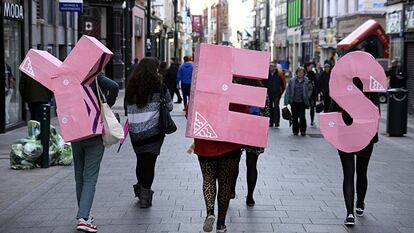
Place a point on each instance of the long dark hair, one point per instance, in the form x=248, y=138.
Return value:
x=143, y=81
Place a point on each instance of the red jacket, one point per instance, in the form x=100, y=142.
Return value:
x=207, y=148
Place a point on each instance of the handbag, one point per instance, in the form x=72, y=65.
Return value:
x=287, y=115
x=165, y=122
x=319, y=107
x=112, y=129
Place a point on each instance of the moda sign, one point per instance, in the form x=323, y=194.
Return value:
x=13, y=11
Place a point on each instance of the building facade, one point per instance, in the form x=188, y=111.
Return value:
x=103, y=19
x=408, y=63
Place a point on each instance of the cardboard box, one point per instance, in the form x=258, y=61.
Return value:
x=212, y=91
x=365, y=114
x=77, y=106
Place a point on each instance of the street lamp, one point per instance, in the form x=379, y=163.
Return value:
x=148, y=46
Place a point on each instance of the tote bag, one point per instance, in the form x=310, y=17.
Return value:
x=112, y=129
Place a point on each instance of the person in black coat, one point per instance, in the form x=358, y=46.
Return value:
x=323, y=86
x=312, y=78
x=397, y=78
x=171, y=80
x=275, y=88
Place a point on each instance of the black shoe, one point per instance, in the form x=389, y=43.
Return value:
x=250, y=201
x=137, y=190
x=276, y=125
x=177, y=102
x=312, y=124
x=302, y=134
x=350, y=220
x=270, y=125
x=295, y=134
x=359, y=210
x=221, y=228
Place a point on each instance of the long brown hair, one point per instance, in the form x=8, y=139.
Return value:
x=143, y=81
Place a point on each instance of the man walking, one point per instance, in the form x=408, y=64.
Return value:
x=275, y=88
x=184, y=77
x=171, y=80
x=397, y=79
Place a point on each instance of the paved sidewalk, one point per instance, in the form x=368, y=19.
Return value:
x=299, y=190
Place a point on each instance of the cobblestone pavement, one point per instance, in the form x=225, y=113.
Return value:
x=299, y=190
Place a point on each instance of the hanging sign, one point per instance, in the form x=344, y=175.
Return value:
x=70, y=5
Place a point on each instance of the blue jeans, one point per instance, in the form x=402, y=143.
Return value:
x=87, y=157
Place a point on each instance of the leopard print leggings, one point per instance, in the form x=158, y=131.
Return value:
x=222, y=169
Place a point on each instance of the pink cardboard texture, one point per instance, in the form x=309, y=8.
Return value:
x=77, y=106
x=212, y=91
x=365, y=114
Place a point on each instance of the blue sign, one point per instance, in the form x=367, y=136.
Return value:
x=70, y=5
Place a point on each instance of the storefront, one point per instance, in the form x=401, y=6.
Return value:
x=14, y=33
x=409, y=52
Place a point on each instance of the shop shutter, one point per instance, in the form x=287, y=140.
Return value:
x=410, y=72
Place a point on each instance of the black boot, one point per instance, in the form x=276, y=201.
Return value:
x=137, y=190
x=146, y=198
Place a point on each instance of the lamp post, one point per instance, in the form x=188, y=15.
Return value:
x=148, y=45
x=175, y=2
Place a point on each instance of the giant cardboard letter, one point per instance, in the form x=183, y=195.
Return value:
x=77, y=107
x=365, y=114
x=213, y=90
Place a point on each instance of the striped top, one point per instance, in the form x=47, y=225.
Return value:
x=143, y=122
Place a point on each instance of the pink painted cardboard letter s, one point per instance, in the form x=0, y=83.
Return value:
x=364, y=113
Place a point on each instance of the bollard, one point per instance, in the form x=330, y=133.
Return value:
x=45, y=134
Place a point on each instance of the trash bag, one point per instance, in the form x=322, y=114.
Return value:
x=26, y=153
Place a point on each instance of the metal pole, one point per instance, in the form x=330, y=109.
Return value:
x=45, y=134
x=148, y=46
x=175, y=29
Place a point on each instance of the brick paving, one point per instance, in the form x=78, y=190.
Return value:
x=298, y=190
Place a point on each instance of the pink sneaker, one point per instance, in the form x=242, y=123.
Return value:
x=86, y=225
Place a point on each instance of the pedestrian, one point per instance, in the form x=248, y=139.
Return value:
x=35, y=95
x=143, y=106
x=87, y=157
x=395, y=74
x=298, y=94
x=184, y=77
x=252, y=155
x=348, y=165
x=312, y=103
x=130, y=69
x=275, y=87
x=323, y=86
x=218, y=162
x=171, y=80
x=133, y=65
x=162, y=70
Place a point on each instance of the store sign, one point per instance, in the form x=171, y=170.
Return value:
x=394, y=22
x=409, y=17
x=70, y=5
x=13, y=11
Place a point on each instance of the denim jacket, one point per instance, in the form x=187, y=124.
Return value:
x=307, y=91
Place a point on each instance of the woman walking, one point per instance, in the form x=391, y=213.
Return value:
x=252, y=154
x=362, y=158
x=87, y=157
x=143, y=106
x=298, y=94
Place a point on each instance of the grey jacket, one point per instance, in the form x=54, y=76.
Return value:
x=307, y=91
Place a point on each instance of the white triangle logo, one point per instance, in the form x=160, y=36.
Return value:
x=27, y=66
x=202, y=128
x=374, y=85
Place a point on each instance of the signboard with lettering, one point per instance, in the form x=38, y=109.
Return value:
x=394, y=22
x=70, y=5
x=409, y=17
x=13, y=11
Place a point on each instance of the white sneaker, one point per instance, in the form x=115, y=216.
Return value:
x=208, y=223
x=86, y=225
